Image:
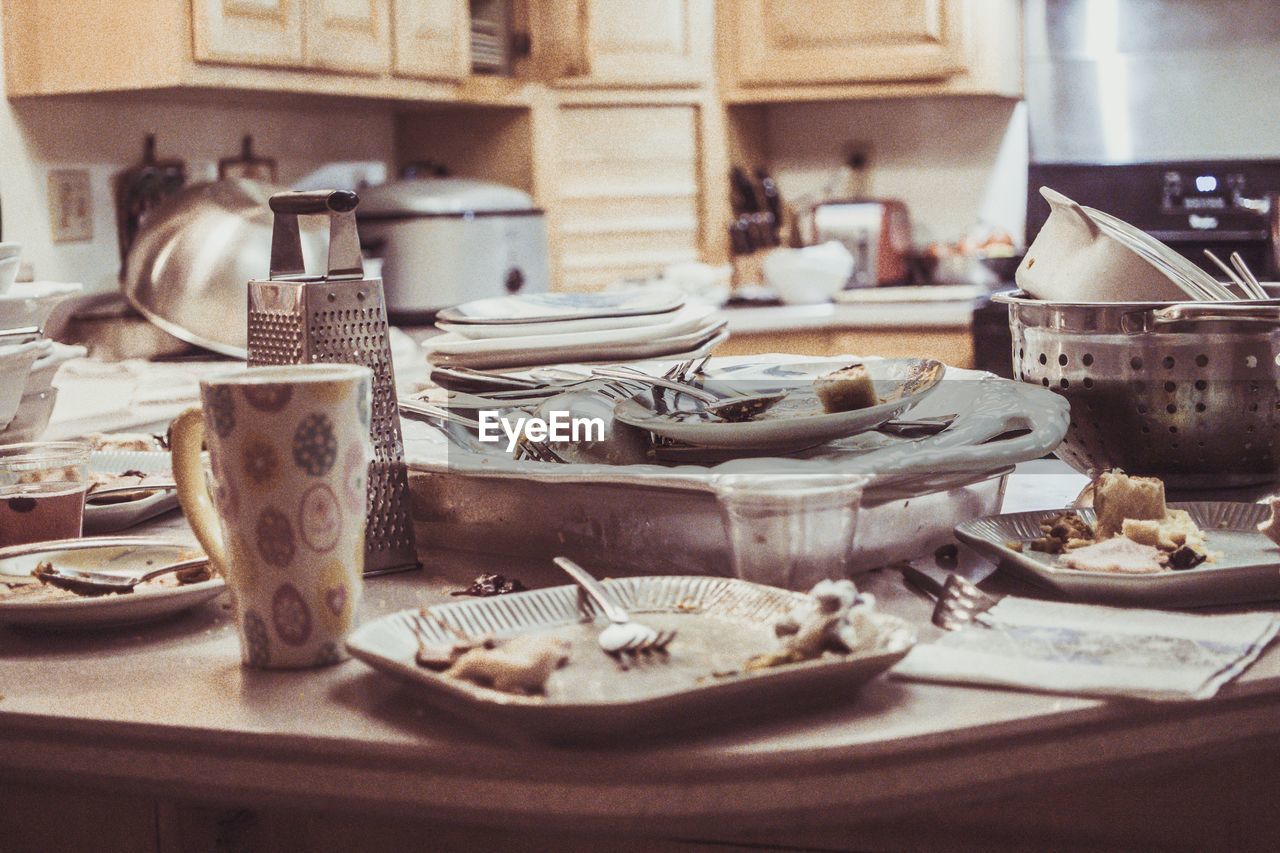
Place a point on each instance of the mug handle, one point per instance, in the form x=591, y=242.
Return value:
x=186, y=436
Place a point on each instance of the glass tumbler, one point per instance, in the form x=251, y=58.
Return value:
x=42, y=491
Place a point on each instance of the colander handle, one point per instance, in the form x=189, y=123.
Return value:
x=1203, y=312
x=344, y=242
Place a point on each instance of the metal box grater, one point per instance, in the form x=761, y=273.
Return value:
x=338, y=318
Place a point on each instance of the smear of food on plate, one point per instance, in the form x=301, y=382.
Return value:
x=1135, y=532
x=123, y=442
x=99, y=480
x=836, y=620
x=44, y=590
x=846, y=389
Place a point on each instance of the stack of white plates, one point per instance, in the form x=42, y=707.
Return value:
x=555, y=328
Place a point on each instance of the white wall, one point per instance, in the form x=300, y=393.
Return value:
x=953, y=160
x=105, y=134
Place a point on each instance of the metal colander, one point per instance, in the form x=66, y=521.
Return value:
x=1189, y=393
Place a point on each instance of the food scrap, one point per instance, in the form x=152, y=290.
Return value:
x=1062, y=532
x=836, y=620
x=520, y=665
x=846, y=389
x=1135, y=532
x=487, y=586
x=1271, y=527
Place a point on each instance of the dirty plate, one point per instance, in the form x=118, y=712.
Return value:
x=551, y=307
x=100, y=518
x=796, y=422
x=125, y=555
x=721, y=622
x=1247, y=568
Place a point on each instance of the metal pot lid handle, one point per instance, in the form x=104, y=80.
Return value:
x=344, y=242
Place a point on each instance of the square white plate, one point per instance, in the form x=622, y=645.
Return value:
x=721, y=623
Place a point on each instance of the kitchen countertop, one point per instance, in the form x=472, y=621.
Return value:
x=747, y=320
x=167, y=707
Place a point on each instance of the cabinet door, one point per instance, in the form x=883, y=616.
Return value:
x=627, y=192
x=248, y=32
x=648, y=41
x=837, y=41
x=349, y=35
x=432, y=39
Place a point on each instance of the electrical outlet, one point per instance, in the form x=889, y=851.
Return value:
x=857, y=155
x=70, y=205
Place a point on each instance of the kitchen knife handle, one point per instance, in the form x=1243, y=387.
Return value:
x=314, y=202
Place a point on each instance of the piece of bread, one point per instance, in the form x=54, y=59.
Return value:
x=1271, y=527
x=846, y=389
x=1168, y=534
x=1118, y=497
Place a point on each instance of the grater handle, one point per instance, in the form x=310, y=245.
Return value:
x=314, y=202
x=344, y=242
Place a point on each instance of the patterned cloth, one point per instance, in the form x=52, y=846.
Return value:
x=1095, y=651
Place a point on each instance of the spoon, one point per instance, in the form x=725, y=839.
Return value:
x=731, y=409
x=106, y=583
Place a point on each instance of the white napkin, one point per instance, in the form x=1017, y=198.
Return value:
x=1095, y=651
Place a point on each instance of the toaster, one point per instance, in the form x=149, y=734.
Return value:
x=877, y=232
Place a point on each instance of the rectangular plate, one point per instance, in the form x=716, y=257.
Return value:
x=721, y=623
x=1247, y=568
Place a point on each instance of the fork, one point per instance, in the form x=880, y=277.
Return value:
x=622, y=635
x=537, y=451
x=958, y=601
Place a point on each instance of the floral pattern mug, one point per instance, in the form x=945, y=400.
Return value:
x=284, y=521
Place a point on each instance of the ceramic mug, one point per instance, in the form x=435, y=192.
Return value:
x=284, y=522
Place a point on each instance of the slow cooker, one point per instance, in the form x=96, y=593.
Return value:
x=443, y=241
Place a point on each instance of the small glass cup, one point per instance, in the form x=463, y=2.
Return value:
x=790, y=529
x=42, y=491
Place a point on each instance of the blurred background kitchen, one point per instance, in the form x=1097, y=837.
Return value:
x=845, y=175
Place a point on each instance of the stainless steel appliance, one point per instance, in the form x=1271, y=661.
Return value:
x=1160, y=112
x=876, y=232
x=187, y=268
x=337, y=317
x=443, y=241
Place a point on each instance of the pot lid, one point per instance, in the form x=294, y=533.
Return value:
x=440, y=197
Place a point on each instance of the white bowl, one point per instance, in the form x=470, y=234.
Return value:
x=32, y=418
x=46, y=366
x=15, y=364
x=29, y=303
x=810, y=275
x=1077, y=257
x=8, y=272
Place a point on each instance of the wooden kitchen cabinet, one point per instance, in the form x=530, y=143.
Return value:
x=432, y=39
x=623, y=43
x=350, y=48
x=952, y=346
x=625, y=184
x=248, y=32
x=841, y=41
x=348, y=35
x=775, y=50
